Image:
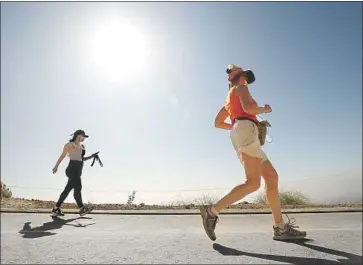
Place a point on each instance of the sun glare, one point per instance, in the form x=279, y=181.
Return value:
x=119, y=50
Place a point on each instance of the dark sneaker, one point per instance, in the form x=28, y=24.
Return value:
x=289, y=232
x=209, y=222
x=57, y=212
x=86, y=210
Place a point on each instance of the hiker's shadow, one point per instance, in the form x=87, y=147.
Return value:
x=349, y=258
x=40, y=231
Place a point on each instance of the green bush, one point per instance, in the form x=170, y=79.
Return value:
x=293, y=198
x=5, y=191
x=286, y=198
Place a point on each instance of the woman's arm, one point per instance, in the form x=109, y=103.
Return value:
x=90, y=157
x=84, y=158
x=246, y=101
x=220, y=120
x=66, y=149
x=87, y=157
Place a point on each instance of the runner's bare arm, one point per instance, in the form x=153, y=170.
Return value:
x=246, y=101
x=87, y=158
x=66, y=149
x=220, y=121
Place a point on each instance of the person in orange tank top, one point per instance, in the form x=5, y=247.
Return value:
x=242, y=109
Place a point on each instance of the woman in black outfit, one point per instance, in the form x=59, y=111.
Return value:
x=76, y=151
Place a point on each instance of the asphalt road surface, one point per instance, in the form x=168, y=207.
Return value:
x=242, y=239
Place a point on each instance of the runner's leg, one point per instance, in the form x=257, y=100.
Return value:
x=270, y=177
x=253, y=182
x=282, y=230
x=64, y=194
x=244, y=136
x=77, y=188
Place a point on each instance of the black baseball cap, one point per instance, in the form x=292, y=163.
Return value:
x=80, y=133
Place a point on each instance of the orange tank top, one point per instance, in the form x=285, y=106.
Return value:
x=234, y=106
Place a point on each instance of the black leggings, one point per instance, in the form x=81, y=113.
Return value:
x=73, y=172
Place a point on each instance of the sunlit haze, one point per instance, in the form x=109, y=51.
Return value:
x=119, y=50
x=145, y=81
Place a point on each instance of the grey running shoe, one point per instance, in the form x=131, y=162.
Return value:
x=289, y=232
x=57, y=212
x=209, y=222
x=86, y=210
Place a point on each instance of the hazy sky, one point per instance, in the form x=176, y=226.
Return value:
x=150, y=110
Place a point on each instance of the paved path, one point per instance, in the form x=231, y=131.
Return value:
x=192, y=211
x=242, y=239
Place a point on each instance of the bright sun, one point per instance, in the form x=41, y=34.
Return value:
x=119, y=50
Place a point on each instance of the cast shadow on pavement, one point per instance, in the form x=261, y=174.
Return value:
x=40, y=231
x=350, y=259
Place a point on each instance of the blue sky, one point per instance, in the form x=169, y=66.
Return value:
x=153, y=121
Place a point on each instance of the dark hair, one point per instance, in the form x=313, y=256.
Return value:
x=73, y=138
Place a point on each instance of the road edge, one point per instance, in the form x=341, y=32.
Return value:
x=186, y=212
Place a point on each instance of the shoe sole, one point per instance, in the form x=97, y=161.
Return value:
x=56, y=214
x=286, y=238
x=204, y=214
x=87, y=212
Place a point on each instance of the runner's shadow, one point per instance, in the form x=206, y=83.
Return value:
x=350, y=259
x=40, y=231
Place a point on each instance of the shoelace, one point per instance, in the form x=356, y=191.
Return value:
x=212, y=222
x=291, y=225
x=291, y=222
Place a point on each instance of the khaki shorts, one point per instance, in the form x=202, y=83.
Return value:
x=244, y=137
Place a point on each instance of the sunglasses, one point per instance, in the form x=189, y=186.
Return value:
x=228, y=71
